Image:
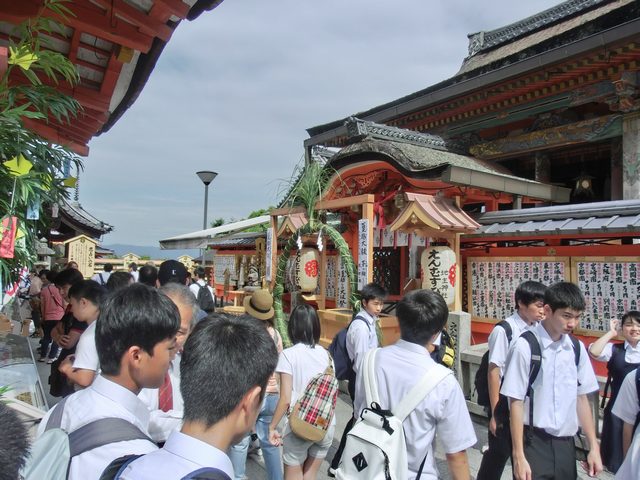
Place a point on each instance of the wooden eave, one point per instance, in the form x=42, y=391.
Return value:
x=457, y=100
x=124, y=36
x=433, y=216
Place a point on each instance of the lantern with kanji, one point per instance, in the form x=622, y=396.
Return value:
x=439, y=271
x=307, y=269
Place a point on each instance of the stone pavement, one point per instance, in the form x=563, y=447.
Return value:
x=255, y=464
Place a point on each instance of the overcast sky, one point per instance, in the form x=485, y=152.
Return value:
x=234, y=91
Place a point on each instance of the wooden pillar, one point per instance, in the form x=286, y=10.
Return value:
x=273, y=224
x=4, y=60
x=517, y=202
x=456, y=248
x=457, y=306
x=631, y=156
x=542, y=167
x=616, y=169
x=323, y=279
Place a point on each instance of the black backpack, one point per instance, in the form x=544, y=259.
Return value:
x=502, y=414
x=481, y=381
x=338, y=350
x=205, y=299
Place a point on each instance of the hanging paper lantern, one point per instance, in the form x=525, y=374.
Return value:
x=439, y=271
x=307, y=269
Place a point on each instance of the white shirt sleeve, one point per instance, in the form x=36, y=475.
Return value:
x=284, y=364
x=86, y=351
x=516, y=375
x=626, y=407
x=498, y=347
x=454, y=427
x=605, y=356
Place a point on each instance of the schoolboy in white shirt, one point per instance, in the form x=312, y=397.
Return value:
x=529, y=300
x=135, y=338
x=82, y=367
x=422, y=315
x=560, y=394
x=237, y=353
x=361, y=337
x=165, y=403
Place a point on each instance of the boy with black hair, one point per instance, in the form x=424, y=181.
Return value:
x=81, y=367
x=103, y=277
x=529, y=300
x=203, y=291
x=135, y=338
x=422, y=315
x=15, y=443
x=148, y=275
x=559, y=393
x=224, y=371
x=361, y=337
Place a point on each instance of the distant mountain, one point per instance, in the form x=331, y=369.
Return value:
x=155, y=253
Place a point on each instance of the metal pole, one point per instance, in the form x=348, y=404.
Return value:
x=206, y=201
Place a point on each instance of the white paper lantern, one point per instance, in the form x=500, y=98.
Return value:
x=307, y=269
x=439, y=272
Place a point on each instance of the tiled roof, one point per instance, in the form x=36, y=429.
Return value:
x=74, y=211
x=482, y=41
x=587, y=218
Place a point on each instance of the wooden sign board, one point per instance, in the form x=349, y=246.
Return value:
x=222, y=263
x=82, y=250
x=492, y=281
x=611, y=287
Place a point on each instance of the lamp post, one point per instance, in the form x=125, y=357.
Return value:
x=206, y=177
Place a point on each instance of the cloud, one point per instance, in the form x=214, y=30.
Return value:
x=235, y=90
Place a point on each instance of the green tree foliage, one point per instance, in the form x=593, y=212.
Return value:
x=218, y=222
x=23, y=95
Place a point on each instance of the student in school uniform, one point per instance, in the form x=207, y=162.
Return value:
x=237, y=354
x=529, y=300
x=297, y=365
x=621, y=359
x=627, y=409
x=361, y=337
x=165, y=403
x=135, y=338
x=546, y=449
x=422, y=315
x=81, y=368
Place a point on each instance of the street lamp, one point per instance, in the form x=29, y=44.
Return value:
x=206, y=177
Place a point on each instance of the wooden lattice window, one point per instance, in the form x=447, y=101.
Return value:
x=387, y=268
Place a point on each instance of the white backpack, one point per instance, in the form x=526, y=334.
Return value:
x=375, y=448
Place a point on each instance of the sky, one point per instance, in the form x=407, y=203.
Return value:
x=235, y=90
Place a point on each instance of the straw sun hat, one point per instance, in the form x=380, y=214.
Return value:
x=259, y=305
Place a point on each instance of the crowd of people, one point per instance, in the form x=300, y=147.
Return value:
x=197, y=386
